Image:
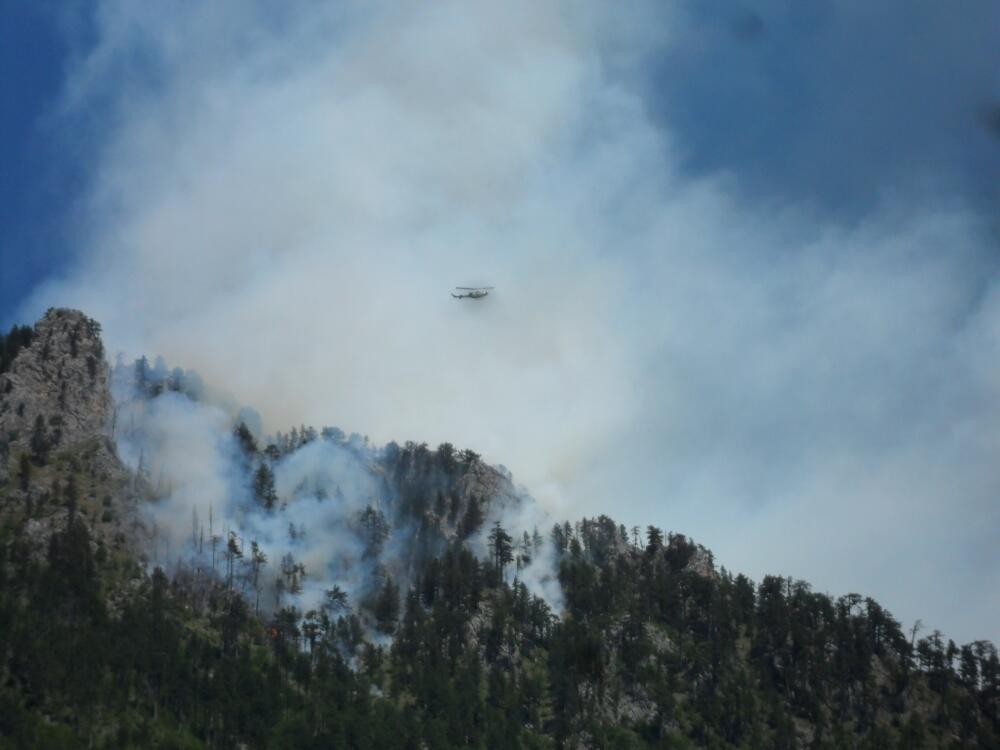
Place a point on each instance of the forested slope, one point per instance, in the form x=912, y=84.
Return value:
x=433, y=623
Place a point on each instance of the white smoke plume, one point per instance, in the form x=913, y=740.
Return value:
x=282, y=200
x=206, y=515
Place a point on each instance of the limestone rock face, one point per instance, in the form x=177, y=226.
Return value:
x=63, y=378
x=701, y=563
x=491, y=484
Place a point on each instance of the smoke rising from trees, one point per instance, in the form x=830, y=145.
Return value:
x=307, y=519
x=282, y=200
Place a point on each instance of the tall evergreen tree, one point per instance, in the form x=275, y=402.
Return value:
x=472, y=520
x=501, y=547
x=39, y=442
x=386, y=608
x=263, y=486
x=245, y=439
x=24, y=472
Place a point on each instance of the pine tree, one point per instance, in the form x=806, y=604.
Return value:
x=472, y=519
x=446, y=457
x=141, y=370
x=245, y=439
x=536, y=541
x=263, y=486
x=39, y=442
x=501, y=547
x=374, y=530
x=454, y=508
x=233, y=553
x=257, y=561
x=72, y=497
x=24, y=472
x=335, y=600
x=559, y=540
x=386, y=608
x=654, y=539
x=292, y=573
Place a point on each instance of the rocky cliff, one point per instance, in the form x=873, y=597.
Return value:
x=55, y=405
x=56, y=389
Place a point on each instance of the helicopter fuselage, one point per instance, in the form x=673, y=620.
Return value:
x=471, y=294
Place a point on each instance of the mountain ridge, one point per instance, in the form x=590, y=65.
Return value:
x=415, y=585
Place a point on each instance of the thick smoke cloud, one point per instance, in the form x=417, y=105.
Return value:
x=283, y=199
x=334, y=519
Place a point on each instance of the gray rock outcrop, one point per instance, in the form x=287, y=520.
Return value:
x=56, y=389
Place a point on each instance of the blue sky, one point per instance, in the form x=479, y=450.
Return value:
x=745, y=253
x=839, y=101
x=32, y=56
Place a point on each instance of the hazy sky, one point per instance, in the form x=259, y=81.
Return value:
x=745, y=254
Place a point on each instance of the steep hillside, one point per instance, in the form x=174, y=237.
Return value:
x=170, y=577
x=56, y=457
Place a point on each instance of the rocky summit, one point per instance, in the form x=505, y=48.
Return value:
x=55, y=392
x=55, y=412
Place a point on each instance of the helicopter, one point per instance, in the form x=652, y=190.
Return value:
x=471, y=292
